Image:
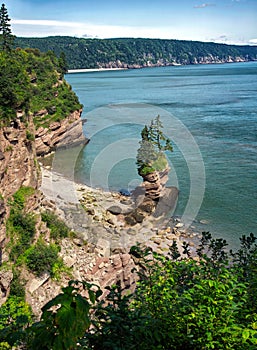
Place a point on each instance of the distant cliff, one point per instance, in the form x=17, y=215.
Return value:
x=137, y=53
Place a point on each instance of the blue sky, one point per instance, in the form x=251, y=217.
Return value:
x=226, y=21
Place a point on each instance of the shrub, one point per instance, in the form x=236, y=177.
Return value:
x=180, y=302
x=20, y=197
x=30, y=136
x=16, y=315
x=42, y=257
x=57, y=227
x=64, y=319
x=17, y=285
x=21, y=228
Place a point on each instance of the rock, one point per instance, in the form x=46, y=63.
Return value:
x=101, y=265
x=116, y=260
x=54, y=126
x=104, y=247
x=69, y=261
x=167, y=202
x=155, y=182
x=67, y=132
x=204, y=222
x=130, y=220
x=138, y=215
x=157, y=240
x=152, y=177
x=125, y=258
x=5, y=283
x=132, y=232
x=180, y=224
x=37, y=282
x=124, y=192
x=41, y=112
x=148, y=205
x=115, y=210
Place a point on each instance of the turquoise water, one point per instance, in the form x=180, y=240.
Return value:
x=217, y=108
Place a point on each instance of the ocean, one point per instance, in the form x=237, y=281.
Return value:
x=210, y=114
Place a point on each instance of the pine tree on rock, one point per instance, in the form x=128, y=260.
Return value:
x=6, y=37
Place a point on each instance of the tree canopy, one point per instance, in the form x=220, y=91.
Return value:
x=150, y=155
x=6, y=37
x=33, y=81
x=94, y=53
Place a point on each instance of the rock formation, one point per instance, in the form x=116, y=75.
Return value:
x=18, y=165
x=154, y=183
x=20, y=144
x=67, y=132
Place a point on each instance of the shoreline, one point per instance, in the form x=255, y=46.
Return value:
x=174, y=64
x=90, y=70
x=87, y=211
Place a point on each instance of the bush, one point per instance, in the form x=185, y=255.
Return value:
x=201, y=303
x=21, y=228
x=20, y=197
x=15, y=316
x=17, y=285
x=41, y=257
x=57, y=227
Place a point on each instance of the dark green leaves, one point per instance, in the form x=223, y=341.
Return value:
x=65, y=319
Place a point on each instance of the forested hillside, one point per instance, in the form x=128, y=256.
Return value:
x=136, y=53
x=31, y=81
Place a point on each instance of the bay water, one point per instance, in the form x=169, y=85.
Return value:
x=215, y=110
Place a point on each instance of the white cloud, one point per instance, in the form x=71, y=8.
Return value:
x=39, y=28
x=253, y=41
x=203, y=5
x=52, y=23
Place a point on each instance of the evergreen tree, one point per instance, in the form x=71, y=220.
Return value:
x=6, y=37
x=150, y=155
x=63, y=64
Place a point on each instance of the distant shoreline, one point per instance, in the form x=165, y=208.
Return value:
x=88, y=70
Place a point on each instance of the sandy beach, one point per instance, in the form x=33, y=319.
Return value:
x=89, y=70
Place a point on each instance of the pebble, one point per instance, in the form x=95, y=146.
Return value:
x=204, y=222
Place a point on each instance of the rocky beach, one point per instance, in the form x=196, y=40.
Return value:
x=98, y=249
x=99, y=217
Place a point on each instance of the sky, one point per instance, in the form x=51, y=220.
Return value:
x=223, y=21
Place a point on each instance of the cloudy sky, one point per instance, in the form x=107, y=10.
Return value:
x=227, y=21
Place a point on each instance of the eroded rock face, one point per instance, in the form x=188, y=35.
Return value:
x=65, y=133
x=154, y=183
x=5, y=281
x=18, y=162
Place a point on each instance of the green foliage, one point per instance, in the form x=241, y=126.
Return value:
x=93, y=53
x=115, y=324
x=6, y=37
x=30, y=136
x=20, y=196
x=198, y=304
x=33, y=81
x=20, y=225
x=15, y=316
x=150, y=155
x=63, y=64
x=57, y=227
x=17, y=285
x=180, y=302
x=14, y=86
x=41, y=257
x=65, y=318
x=21, y=229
